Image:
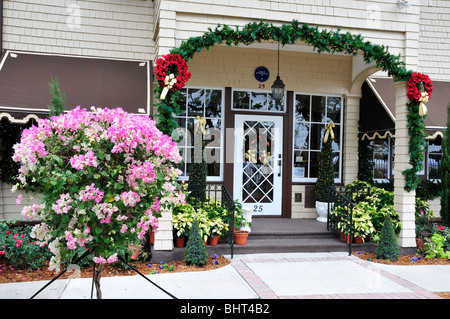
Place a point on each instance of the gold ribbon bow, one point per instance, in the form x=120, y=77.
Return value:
x=265, y=157
x=169, y=81
x=201, y=122
x=329, y=131
x=251, y=156
x=423, y=99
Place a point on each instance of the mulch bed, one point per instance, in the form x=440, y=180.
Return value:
x=9, y=274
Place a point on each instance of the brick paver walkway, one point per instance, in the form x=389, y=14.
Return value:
x=265, y=292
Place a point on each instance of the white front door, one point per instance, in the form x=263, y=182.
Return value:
x=258, y=163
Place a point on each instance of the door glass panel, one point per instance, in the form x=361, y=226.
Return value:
x=258, y=162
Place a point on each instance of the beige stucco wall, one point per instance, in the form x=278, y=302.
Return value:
x=224, y=66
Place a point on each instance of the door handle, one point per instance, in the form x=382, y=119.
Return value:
x=279, y=167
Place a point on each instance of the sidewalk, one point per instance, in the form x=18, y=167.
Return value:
x=261, y=276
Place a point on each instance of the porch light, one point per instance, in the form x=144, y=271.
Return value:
x=278, y=85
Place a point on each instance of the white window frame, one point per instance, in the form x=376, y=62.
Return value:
x=341, y=125
x=222, y=146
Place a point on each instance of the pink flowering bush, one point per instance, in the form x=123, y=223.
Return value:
x=103, y=176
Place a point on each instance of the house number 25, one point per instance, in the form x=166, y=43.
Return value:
x=257, y=209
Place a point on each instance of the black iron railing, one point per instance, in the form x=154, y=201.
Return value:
x=341, y=201
x=205, y=194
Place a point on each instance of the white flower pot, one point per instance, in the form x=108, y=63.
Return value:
x=322, y=210
x=248, y=217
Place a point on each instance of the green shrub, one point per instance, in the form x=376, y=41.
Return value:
x=434, y=247
x=19, y=249
x=195, y=253
x=387, y=247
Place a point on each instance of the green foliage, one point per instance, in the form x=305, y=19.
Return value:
x=18, y=249
x=195, y=253
x=445, y=173
x=435, y=247
x=387, y=247
x=326, y=173
x=417, y=145
x=58, y=98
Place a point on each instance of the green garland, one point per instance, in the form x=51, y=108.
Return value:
x=321, y=41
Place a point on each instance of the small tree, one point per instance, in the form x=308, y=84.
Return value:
x=445, y=173
x=196, y=253
x=325, y=178
x=197, y=173
x=103, y=176
x=387, y=247
x=58, y=98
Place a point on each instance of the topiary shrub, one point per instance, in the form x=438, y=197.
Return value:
x=195, y=253
x=326, y=173
x=387, y=247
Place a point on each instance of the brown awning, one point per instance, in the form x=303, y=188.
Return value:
x=437, y=105
x=25, y=77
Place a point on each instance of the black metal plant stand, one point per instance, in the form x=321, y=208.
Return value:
x=77, y=260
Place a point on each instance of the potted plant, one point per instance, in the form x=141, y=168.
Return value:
x=362, y=223
x=218, y=228
x=325, y=178
x=182, y=223
x=240, y=225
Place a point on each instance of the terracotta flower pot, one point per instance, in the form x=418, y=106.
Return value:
x=240, y=237
x=213, y=241
x=179, y=241
x=152, y=237
x=135, y=251
x=357, y=240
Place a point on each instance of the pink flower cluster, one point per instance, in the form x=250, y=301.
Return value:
x=81, y=161
x=91, y=192
x=62, y=205
x=130, y=198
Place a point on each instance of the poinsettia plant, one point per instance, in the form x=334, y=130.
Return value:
x=104, y=176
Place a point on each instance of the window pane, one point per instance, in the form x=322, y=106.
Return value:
x=182, y=102
x=301, y=135
x=241, y=100
x=195, y=102
x=381, y=165
x=334, y=109
x=301, y=160
x=336, y=165
x=302, y=106
x=275, y=105
x=434, y=161
x=213, y=132
x=336, y=143
x=213, y=103
x=259, y=101
x=317, y=131
x=318, y=109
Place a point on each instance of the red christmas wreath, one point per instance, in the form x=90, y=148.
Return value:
x=171, y=72
x=413, y=86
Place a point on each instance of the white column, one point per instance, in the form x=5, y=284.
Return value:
x=350, y=140
x=404, y=201
x=164, y=235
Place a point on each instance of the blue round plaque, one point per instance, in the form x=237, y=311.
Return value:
x=262, y=74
